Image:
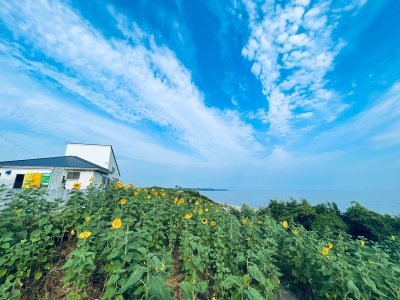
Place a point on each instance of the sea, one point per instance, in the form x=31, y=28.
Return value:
x=381, y=201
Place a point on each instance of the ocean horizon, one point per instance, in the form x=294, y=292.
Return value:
x=380, y=200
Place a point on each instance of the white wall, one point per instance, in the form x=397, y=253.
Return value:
x=97, y=154
x=84, y=179
x=113, y=164
x=10, y=179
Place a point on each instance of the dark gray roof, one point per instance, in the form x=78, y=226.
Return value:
x=58, y=162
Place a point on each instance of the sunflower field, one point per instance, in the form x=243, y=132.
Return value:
x=119, y=241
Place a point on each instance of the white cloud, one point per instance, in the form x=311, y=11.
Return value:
x=134, y=79
x=292, y=49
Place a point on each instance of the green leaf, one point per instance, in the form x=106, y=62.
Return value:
x=253, y=294
x=43, y=221
x=42, y=259
x=187, y=290
x=255, y=272
x=353, y=289
x=5, y=245
x=158, y=288
x=48, y=228
x=201, y=286
x=38, y=275
x=230, y=281
x=326, y=271
x=136, y=274
x=196, y=260
x=110, y=292
x=114, y=253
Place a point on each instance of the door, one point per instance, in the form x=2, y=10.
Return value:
x=19, y=179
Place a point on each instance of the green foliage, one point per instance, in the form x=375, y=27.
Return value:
x=321, y=217
x=132, y=240
x=367, y=223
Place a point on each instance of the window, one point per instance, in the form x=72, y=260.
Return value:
x=73, y=175
x=113, y=170
x=104, y=179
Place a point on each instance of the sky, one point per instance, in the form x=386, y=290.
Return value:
x=235, y=94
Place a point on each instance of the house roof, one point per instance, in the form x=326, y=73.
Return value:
x=59, y=162
x=112, y=151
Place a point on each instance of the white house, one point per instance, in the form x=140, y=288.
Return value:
x=80, y=163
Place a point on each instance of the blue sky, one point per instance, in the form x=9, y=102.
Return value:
x=237, y=94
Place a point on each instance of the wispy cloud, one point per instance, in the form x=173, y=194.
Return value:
x=292, y=49
x=32, y=106
x=134, y=79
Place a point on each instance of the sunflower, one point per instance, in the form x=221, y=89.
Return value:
x=87, y=219
x=213, y=223
x=200, y=211
x=176, y=200
x=393, y=237
x=188, y=216
x=251, y=224
x=325, y=251
x=91, y=179
x=181, y=201
x=76, y=186
x=285, y=224
x=117, y=223
x=145, y=190
x=244, y=221
x=101, y=182
x=196, y=203
x=330, y=246
x=247, y=239
x=206, y=210
x=296, y=231
x=72, y=232
x=204, y=221
x=126, y=187
x=138, y=189
x=148, y=196
x=84, y=235
x=123, y=201
x=259, y=222
x=217, y=210
x=136, y=193
x=112, y=179
x=362, y=243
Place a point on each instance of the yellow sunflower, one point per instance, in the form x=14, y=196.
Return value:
x=76, y=186
x=285, y=224
x=84, y=235
x=296, y=231
x=196, y=203
x=247, y=239
x=123, y=201
x=244, y=221
x=213, y=223
x=330, y=246
x=188, y=216
x=101, y=182
x=91, y=179
x=259, y=222
x=117, y=223
x=72, y=232
x=204, y=221
x=393, y=237
x=217, y=210
x=325, y=251
x=87, y=219
x=362, y=243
